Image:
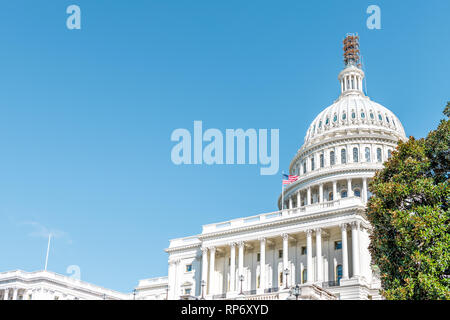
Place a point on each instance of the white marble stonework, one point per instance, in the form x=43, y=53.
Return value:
x=319, y=237
x=46, y=285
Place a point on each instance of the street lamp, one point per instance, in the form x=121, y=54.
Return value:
x=286, y=272
x=241, y=279
x=296, y=291
x=134, y=294
x=203, y=290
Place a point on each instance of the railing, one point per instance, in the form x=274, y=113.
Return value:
x=270, y=290
x=219, y=296
x=329, y=284
x=273, y=216
x=250, y=292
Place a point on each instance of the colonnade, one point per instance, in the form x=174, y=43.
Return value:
x=209, y=280
x=308, y=199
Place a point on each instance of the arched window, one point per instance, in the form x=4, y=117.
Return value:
x=389, y=153
x=355, y=155
x=367, y=154
x=344, y=194
x=357, y=193
x=338, y=273
x=335, y=118
x=353, y=115
x=363, y=115
x=304, y=167
x=327, y=121
x=344, y=116
x=322, y=162
x=371, y=116
x=332, y=158
x=343, y=156
x=379, y=159
x=330, y=196
x=304, y=276
x=312, y=164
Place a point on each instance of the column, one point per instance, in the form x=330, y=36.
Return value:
x=319, y=255
x=6, y=295
x=308, y=196
x=233, y=267
x=344, y=251
x=241, y=258
x=262, y=262
x=212, y=258
x=205, y=269
x=290, y=202
x=321, y=193
x=285, y=257
x=15, y=294
x=335, y=196
x=364, y=189
x=309, y=267
x=355, y=248
x=349, y=188
x=299, y=202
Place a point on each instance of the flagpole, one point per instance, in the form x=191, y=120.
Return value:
x=48, y=249
x=282, y=191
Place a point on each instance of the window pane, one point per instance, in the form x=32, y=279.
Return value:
x=355, y=154
x=367, y=155
x=343, y=156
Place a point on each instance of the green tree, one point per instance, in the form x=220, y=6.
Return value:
x=410, y=240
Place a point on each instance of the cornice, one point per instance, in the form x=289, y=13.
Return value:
x=287, y=220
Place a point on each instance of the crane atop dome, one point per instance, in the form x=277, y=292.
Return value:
x=351, y=50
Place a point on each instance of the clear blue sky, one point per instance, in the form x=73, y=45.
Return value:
x=86, y=115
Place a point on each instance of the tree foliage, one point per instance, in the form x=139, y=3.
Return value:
x=410, y=240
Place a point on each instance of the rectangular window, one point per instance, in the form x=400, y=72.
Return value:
x=188, y=267
x=258, y=257
x=280, y=254
x=337, y=245
x=187, y=291
x=304, y=251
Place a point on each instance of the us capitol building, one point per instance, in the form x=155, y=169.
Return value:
x=315, y=246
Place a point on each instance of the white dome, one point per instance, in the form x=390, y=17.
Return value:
x=353, y=111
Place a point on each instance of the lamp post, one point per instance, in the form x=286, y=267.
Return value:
x=134, y=294
x=167, y=292
x=286, y=273
x=296, y=291
x=203, y=289
x=241, y=279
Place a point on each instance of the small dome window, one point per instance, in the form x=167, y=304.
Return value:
x=371, y=116
x=314, y=128
x=320, y=124
x=380, y=117
x=387, y=119
x=335, y=118
x=327, y=121
x=363, y=115
x=344, y=116
x=353, y=115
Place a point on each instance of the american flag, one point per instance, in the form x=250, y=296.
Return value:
x=289, y=178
